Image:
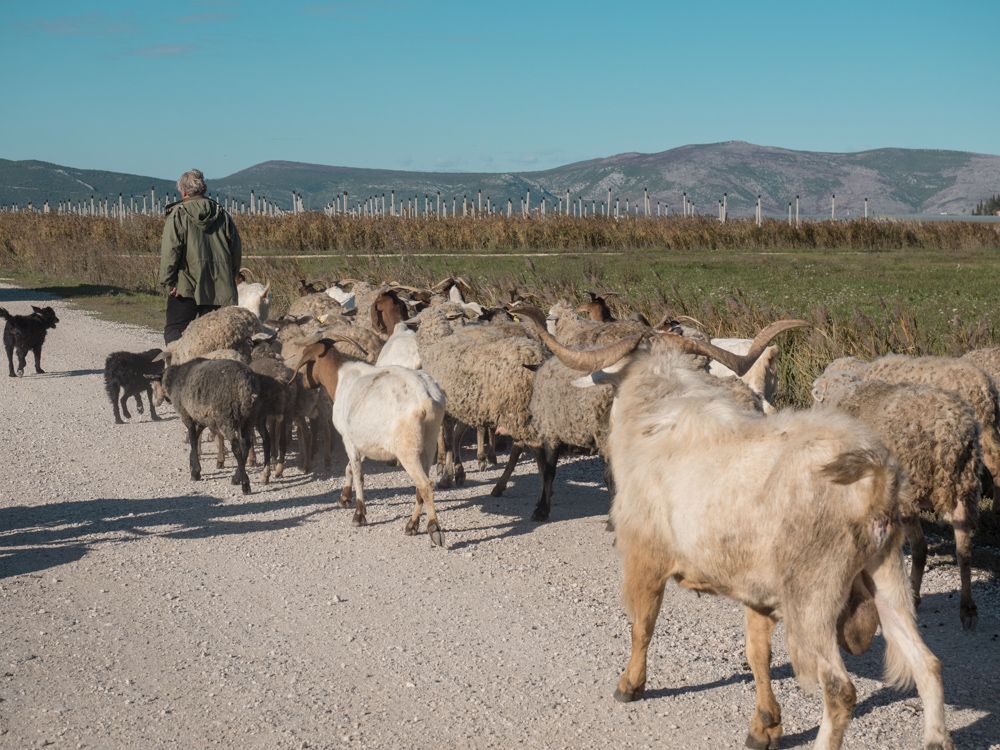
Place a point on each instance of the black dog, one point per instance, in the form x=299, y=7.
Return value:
x=26, y=333
x=126, y=371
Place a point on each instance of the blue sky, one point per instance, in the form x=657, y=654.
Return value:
x=156, y=88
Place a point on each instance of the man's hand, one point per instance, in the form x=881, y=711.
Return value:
x=173, y=292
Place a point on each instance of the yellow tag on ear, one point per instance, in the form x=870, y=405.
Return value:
x=516, y=318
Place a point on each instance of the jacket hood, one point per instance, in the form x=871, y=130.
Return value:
x=203, y=211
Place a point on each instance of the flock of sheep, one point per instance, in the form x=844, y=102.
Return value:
x=799, y=515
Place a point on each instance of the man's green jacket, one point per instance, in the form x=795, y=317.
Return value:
x=201, y=252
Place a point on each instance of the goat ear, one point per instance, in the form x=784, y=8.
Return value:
x=600, y=377
x=533, y=368
x=163, y=356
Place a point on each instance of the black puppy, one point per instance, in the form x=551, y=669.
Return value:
x=126, y=371
x=26, y=333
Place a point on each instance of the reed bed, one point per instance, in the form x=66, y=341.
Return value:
x=23, y=235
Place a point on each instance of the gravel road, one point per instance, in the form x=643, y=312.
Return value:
x=141, y=610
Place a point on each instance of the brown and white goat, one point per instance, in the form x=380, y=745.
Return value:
x=388, y=311
x=597, y=309
x=794, y=515
x=383, y=413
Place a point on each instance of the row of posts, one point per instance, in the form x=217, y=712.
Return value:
x=376, y=206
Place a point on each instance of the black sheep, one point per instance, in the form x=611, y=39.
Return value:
x=26, y=333
x=125, y=373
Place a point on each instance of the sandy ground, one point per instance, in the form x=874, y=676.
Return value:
x=141, y=610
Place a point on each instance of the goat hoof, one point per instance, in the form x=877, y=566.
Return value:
x=359, y=520
x=345, y=497
x=279, y=471
x=437, y=536
x=460, y=476
x=235, y=479
x=39, y=371
x=195, y=476
x=970, y=623
x=628, y=697
x=761, y=743
x=482, y=464
x=156, y=418
x=444, y=482
x=220, y=464
x=139, y=408
x=127, y=415
x=118, y=421
x=412, y=527
x=246, y=488
x=539, y=515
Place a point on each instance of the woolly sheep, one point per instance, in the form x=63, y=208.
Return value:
x=484, y=376
x=935, y=436
x=951, y=374
x=226, y=328
x=221, y=395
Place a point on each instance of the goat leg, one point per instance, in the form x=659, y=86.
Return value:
x=642, y=594
x=765, y=726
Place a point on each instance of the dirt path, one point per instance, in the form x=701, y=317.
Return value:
x=141, y=610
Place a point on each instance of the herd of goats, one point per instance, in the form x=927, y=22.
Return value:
x=798, y=514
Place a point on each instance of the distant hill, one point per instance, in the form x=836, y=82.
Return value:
x=22, y=182
x=896, y=181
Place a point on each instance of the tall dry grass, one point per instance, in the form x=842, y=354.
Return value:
x=24, y=234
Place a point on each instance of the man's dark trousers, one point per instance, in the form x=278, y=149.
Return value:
x=180, y=312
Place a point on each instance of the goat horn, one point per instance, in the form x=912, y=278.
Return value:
x=407, y=288
x=738, y=364
x=581, y=360
x=344, y=337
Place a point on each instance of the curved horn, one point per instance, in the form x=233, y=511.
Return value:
x=585, y=360
x=738, y=364
x=335, y=336
x=267, y=287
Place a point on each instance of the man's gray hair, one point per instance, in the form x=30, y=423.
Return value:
x=192, y=182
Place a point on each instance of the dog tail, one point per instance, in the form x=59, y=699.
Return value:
x=4, y=314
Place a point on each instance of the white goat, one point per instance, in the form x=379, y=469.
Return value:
x=255, y=297
x=383, y=413
x=795, y=515
x=762, y=378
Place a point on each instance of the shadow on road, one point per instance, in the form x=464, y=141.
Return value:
x=39, y=537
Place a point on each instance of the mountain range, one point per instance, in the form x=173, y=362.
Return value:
x=895, y=181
